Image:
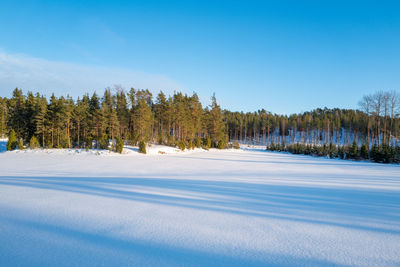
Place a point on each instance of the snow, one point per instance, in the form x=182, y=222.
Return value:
x=219, y=208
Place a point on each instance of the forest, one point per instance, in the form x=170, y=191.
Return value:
x=137, y=118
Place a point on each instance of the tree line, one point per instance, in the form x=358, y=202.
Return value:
x=133, y=117
x=180, y=120
x=376, y=122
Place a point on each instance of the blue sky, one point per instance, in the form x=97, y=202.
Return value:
x=283, y=56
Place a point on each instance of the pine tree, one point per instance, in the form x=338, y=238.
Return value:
x=40, y=118
x=3, y=116
x=143, y=117
x=95, y=120
x=17, y=119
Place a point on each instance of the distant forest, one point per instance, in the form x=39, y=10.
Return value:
x=133, y=117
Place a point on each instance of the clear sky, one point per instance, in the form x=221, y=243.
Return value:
x=283, y=56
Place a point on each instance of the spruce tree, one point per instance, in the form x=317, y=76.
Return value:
x=354, y=150
x=364, y=151
x=33, y=143
x=216, y=126
x=12, y=141
x=142, y=147
x=20, y=144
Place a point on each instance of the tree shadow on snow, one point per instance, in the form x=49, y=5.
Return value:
x=363, y=209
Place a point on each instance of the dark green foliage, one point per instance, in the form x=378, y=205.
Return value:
x=333, y=151
x=383, y=154
x=387, y=153
x=12, y=141
x=271, y=146
x=33, y=143
x=104, y=142
x=364, y=151
x=341, y=152
x=376, y=153
x=119, y=146
x=142, y=147
x=353, y=153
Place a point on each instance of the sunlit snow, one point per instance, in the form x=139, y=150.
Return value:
x=232, y=207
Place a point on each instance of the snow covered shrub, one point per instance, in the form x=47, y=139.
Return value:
x=142, y=147
x=33, y=143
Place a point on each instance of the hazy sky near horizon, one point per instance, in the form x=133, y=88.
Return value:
x=283, y=56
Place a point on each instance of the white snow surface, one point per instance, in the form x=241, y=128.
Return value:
x=197, y=208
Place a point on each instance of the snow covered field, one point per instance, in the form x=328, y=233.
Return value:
x=241, y=208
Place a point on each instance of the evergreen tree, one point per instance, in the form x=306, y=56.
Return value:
x=142, y=147
x=20, y=144
x=3, y=116
x=12, y=141
x=180, y=119
x=17, y=119
x=40, y=118
x=354, y=151
x=364, y=151
x=216, y=127
x=33, y=142
x=119, y=145
x=143, y=117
